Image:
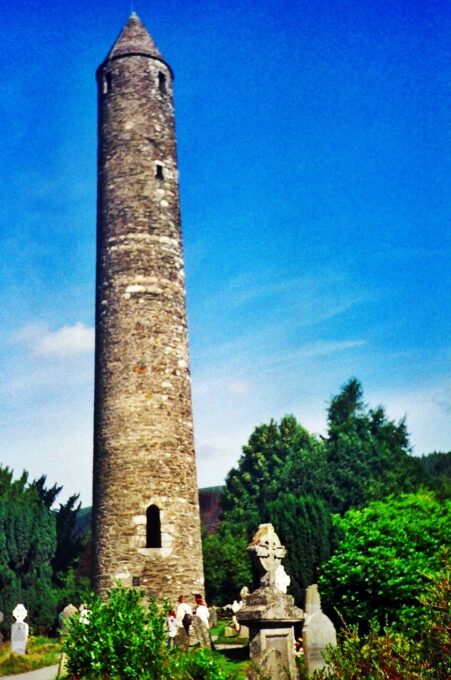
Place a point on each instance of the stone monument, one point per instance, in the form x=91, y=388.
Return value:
x=64, y=615
x=269, y=612
x=318, y=631
x=19, y=631
x=1, y=621
x=146, y=522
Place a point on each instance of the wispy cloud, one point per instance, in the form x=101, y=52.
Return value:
x=426, y=408
x=67, y=341
x=305, y=299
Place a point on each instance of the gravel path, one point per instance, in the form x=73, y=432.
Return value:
x=48, y=673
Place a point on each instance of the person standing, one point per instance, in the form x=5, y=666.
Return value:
x=172, y=627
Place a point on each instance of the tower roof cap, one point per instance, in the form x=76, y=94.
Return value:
x=134, y=39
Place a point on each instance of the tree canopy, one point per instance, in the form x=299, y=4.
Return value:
x=297, y=480
x=382, y=562
x=38, y=548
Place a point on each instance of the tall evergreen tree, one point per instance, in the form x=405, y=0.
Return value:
x=367, y=454
x=304, y=526
x=29, y=541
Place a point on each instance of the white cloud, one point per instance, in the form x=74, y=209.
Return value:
x=67, y=341
x=427, y=410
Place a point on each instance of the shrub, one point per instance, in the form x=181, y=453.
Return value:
x=391, y=655
x=121, y=637
x=125, y=638
x=381, y=566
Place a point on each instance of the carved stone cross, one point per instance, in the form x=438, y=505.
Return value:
x=266, y=552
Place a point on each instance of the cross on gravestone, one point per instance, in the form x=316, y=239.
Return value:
x=267, y=553
x=19, y=631
x=269, y=612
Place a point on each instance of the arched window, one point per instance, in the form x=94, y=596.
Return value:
x=153, y=528
x=162, y=83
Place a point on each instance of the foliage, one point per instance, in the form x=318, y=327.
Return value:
x=390, y=654
x=121, y=637
x=41, y=652
x=125, y=638
x=367, y=454
x=255, y=481
x=436, y=640
x=380, y=656
x=437, y=467
x=304, y=526
x=226, y=565
x=296, y=480
x=254, y=494
x=69, y=544
x=27, y=545
x=381, y=565
x=38, y=549
x=71, y=588
x=201, y=664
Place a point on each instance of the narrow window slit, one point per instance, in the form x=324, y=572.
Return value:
x=159, y=171
x=162, y=83
x=153, y=527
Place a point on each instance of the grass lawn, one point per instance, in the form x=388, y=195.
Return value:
x=41, y=651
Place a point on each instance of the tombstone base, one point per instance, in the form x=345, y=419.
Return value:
x=19, y=637
x=270, y=616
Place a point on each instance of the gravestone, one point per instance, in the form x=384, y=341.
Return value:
x=201, y=632
x=19, y=631
x=1, y=621
x=243, y=631
x=318, y=631
x=65, y=615
x=269, y=612
x=213, y=616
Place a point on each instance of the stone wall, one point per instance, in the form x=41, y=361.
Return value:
x=143, y=441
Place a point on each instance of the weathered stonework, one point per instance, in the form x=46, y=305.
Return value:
x=143, y=438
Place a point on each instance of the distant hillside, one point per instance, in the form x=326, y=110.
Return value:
x=210, y=507
x=83, y=521
x=437, y=466
x=209, y=504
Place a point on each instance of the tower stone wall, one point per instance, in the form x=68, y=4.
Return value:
x=145, y=510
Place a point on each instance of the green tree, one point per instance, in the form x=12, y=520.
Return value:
x=226, y=565
x=304, y=526
x=367, y=454
x=256, y=479
x=28, y=543
x=295, y=479
x=437, y=467
x=391, y=653
x=255, y=494
x=383, y=560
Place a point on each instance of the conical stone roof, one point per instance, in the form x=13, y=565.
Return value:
x=134, y=39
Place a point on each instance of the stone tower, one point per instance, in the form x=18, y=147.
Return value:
x=146, y=522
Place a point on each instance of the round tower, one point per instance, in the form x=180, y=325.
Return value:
x=146, y=526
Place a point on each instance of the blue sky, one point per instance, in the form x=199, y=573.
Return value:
x=313, y=145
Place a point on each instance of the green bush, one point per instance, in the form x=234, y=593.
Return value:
x=119, y=638
x=379, y=656
x=392, y=655
x=125, y=638
x=381, y=566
